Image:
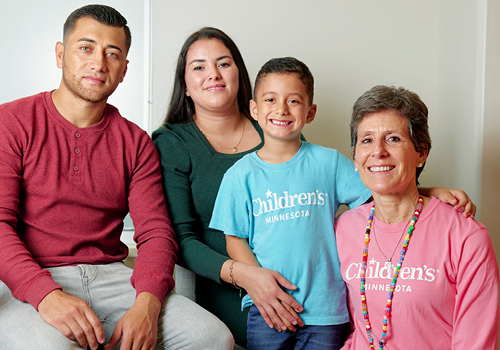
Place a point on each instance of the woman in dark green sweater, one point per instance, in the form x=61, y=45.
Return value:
x=207, y=129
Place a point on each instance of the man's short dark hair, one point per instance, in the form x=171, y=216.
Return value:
x=101, y=13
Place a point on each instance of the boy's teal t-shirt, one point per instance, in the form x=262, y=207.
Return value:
x=287, y=213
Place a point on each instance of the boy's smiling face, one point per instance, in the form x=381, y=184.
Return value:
x=282, y=106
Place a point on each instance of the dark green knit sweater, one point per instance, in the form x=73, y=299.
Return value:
x=192, y=173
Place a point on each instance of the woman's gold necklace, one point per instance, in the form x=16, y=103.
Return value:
x=234, y=148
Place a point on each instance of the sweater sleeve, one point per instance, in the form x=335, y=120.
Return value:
x=156, y=246
x=177, y=165
x=476, y=315
x=27, y=281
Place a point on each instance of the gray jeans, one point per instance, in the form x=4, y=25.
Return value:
x=106, y=288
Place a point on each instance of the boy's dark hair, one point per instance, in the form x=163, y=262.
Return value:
x=181, y=108
x=101, y=13
x=287, y=65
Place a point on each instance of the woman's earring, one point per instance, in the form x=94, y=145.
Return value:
x=420, y=165
x=356, y=169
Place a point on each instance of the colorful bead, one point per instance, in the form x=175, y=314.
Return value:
x=388, y=308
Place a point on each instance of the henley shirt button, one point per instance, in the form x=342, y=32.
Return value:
x=76, y=168
x=77, y=151
x=78, y=135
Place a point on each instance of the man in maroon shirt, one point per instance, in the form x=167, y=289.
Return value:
x=70, y=169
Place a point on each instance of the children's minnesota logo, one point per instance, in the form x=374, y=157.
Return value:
x=273, y=203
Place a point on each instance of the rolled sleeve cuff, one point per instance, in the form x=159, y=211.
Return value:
x=157, y=287
x=38, y=289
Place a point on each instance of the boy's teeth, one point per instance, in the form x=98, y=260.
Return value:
x=380, y=168
x=280, y=122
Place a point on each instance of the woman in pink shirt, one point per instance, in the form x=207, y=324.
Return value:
x=419, y=274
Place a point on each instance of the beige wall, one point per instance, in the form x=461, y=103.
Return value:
x=490, y=176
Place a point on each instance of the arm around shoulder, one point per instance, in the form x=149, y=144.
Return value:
x=457, y=198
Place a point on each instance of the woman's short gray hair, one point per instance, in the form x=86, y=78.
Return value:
x=405, y=102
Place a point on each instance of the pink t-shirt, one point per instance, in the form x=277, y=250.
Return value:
x=64, y=192
x=446, y=296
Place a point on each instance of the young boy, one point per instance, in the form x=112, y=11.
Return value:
x=283, y=199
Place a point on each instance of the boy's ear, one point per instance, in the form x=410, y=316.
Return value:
x=253, y=109
x=311, y=114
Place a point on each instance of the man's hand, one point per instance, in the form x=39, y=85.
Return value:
x=73, y=317
x=138, y=328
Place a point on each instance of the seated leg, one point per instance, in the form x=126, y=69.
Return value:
x=21, y=327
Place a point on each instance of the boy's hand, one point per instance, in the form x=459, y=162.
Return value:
x=289, y=326
x=461, y=201
x=458, y=198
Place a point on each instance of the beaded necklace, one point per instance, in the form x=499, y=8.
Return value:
x=388, y=307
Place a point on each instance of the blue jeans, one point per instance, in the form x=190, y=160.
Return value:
x=261, y=337
x=106, y=288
